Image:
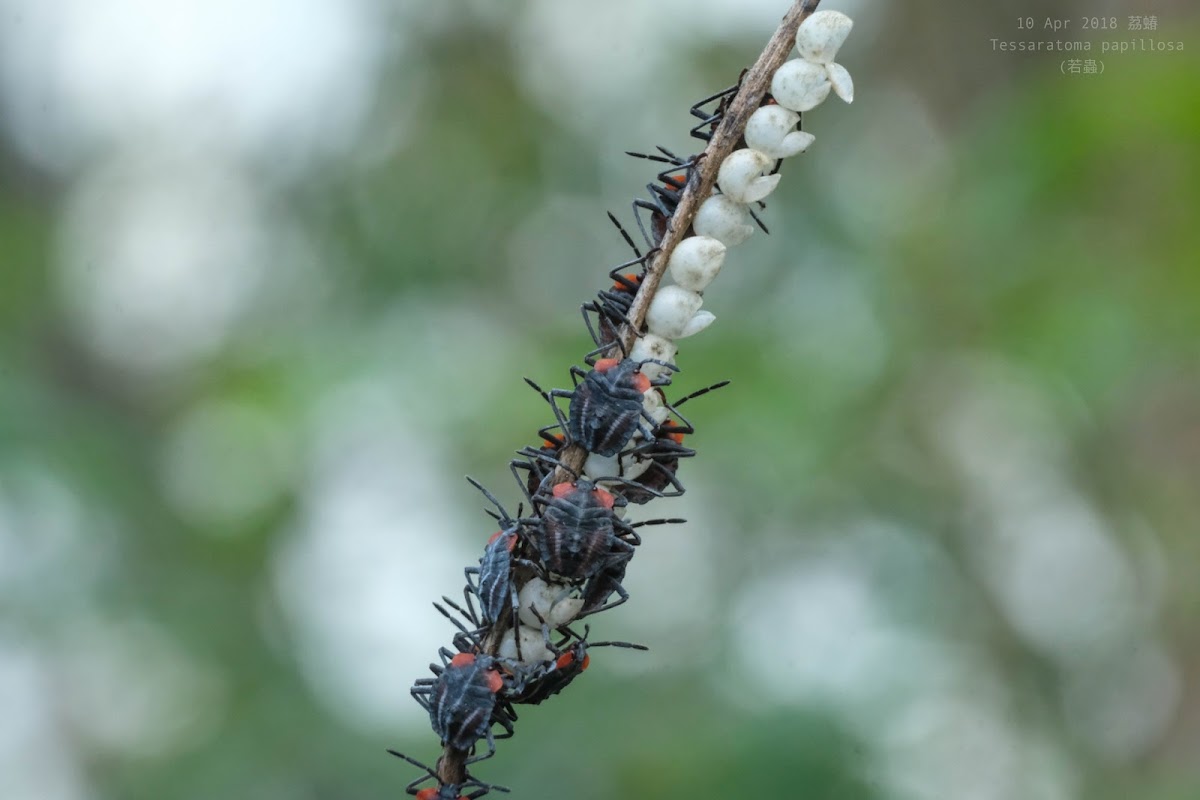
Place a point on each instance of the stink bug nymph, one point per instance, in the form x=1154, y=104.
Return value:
x=546, y=680
x=462, y=703
x=606, y=407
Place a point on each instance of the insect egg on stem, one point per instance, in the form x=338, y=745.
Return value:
x=533, y=644
x=724, y=220
x=671, y=310
x=772, y=130
x=742, y=177
x=800, y=85
x=696, y=262
x=555, y=603
x=821, y=36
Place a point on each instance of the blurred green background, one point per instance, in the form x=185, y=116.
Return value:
x=271, y=274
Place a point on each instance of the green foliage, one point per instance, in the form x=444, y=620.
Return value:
x=1053, y=248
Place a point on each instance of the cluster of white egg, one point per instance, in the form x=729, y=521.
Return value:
x=723, y=220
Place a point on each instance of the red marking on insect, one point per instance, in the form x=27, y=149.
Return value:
x=495, y=682
x=604, y=498
x=605, y=364
x=563, y=489
x=463, y=660
x=641, y=382
x=677, y=438
x=631, y=277
x=512, y=543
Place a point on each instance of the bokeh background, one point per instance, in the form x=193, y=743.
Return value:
x=271, y=273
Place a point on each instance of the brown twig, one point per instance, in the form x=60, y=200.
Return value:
x=451, y=766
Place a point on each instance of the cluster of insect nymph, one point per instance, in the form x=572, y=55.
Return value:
x=518, y=639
